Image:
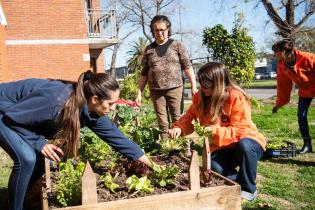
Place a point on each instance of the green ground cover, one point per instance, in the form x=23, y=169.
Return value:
x=282, y=183
x=271, y=83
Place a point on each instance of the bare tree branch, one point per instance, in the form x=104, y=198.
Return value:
x=301, y=2
x=273, y=14
x=303, y=20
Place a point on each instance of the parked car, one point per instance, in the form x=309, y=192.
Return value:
x=273, y=74
x=259, y=76
x=266, y=75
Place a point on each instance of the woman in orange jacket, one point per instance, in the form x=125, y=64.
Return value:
x=224, y=108
x=298, y=67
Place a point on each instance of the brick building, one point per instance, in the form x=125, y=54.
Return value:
x=55, y=39
x=3, y=50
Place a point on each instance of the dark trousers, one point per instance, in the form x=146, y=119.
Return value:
x=303, y=105
x=245, y=154
x=28, y=165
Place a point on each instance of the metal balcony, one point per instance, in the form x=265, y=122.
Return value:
x=101, y=28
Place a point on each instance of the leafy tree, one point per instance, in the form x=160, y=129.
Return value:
x=136, y=54
x=236, y=50
x=129, y=85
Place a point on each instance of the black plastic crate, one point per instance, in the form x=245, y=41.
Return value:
x=285, y=152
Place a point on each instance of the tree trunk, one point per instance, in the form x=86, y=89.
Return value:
x=290, y=19
x=113, y=62
x=114, y=55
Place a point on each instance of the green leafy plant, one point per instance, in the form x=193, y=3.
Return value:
x=125, y=114
x=164, y=175
x=256, y=103
x=67, y=186
x=94, y=149
x=108, y=181
x=202, y=131
x=146, y=138
x=147, y=116
x=171, y=145
x=276, y=145
x=139, y=184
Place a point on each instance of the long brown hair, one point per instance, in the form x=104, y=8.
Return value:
x=88, y=85
x=218, y=75
x=285, y=46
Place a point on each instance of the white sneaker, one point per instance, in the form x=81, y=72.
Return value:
x=249, y=196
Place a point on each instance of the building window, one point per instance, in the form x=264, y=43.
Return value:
x=3, y=21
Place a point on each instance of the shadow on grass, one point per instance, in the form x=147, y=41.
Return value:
x=258, y=208
x=289, y=161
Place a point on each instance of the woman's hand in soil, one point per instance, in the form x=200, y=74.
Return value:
x=144, y=159
x=174, y=132
x=50, y=151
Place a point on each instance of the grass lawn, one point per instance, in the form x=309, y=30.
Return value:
x=271, y=83
x=282, y=183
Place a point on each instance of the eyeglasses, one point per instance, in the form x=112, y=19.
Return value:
x=160, y=30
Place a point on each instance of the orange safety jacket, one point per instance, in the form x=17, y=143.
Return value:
x=303, y=74
x=232, y=126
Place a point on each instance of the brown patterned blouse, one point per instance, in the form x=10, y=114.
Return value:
x=162, y=64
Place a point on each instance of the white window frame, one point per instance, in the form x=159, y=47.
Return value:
x=3, y=21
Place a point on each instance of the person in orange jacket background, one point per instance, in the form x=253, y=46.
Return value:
x=224, y=108
x=298, y=67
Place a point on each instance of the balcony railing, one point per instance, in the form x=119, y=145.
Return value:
x=101, y=23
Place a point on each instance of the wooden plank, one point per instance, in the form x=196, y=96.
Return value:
x=43, y=195
x=227, y=181
x=47, y=175
x=89, y=193
x=222, y=197
x=206, y=155
x=45, y=186
x=194, y=173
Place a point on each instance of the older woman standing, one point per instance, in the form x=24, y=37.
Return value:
x=298, y=67
x=162, y=64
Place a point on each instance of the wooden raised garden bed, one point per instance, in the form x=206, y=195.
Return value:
x=226, y=196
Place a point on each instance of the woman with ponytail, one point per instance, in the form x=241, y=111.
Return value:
x=34, y=110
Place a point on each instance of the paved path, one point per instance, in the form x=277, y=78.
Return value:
x=261, y=93
x=257, y=93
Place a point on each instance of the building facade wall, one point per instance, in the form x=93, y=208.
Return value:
x=3, y=49
x=46, y=39
x=47, y=61
x=3, y=55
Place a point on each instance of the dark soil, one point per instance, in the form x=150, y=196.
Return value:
x=127, y=168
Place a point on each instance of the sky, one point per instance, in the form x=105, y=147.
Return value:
x=198, y=14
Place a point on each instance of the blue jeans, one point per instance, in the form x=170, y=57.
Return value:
x=26, y=159
x=245, y=154
x=303, y=105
